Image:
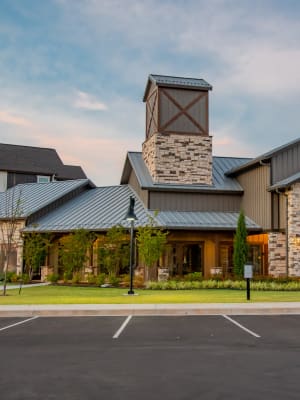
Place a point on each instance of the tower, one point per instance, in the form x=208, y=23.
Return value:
x=178, y=148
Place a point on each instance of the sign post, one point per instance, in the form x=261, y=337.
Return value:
x=248, y=274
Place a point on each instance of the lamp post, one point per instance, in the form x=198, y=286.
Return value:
x=130, y=216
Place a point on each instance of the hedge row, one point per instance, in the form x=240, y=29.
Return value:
x=226, y=284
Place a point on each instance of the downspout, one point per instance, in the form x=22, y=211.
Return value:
x=287, y=233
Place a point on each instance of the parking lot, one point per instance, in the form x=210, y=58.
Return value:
x=150, y=357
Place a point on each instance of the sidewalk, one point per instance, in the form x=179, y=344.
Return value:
x=149, y=309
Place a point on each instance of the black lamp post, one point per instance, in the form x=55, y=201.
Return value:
x=130, y=216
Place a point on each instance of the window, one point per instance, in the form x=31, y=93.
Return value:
x=43, y=179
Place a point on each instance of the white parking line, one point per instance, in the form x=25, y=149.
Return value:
x=122, y=327
x=18, y=323
x=241, y=326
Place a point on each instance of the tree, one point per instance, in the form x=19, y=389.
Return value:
x=34, y=250
x=10, y=214
x=113, y=250
x=151, y=242
x=240, y=246
x=73, y=250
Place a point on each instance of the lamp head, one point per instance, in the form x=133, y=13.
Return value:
x=130, y=215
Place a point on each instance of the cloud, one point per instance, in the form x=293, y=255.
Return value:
x=9, y=117
x=88, y=102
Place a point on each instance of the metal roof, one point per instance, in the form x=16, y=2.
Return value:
x=96, y=209
x=221, y=182
x=101, y=208
x=286, y=182
x=202, y=220
x=32, y=197
x=176, y=82
x=262, y=158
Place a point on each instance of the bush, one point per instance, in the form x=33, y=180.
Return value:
x=91, y=279
x=100, y=279
x=13, y=277
x=76, y=278
x=193, y=276
x=53, y=278
x=114, y=280
x=67, y=276
x=292, y=285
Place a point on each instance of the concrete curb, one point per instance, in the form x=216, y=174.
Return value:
x=150, y=309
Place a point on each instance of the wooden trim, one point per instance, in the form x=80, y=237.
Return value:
x=183, y=111
x=150, y=111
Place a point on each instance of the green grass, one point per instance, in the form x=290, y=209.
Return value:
x=90, y=295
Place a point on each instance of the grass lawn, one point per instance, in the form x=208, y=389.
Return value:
x=91, y=295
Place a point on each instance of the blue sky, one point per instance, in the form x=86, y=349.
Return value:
x=73, y=73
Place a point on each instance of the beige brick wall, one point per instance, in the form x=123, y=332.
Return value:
x=181, y=159
x=294, y=230
x=277, y=254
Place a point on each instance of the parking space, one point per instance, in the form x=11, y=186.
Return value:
x=152, y=357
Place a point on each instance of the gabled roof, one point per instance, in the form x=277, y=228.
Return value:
x=101, y=208
x=36, y=160
x=176, y=82
x=264, y=158
x=221, y=182
x=28, y=198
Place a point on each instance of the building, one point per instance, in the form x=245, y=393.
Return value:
x=25, y=164
x=198, y=196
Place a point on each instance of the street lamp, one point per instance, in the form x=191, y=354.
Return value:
x=130, y=216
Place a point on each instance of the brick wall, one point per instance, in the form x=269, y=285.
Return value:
x=294, y=230
x=277, y=254
x=185, y=159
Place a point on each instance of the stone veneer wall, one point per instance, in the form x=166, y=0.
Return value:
x=277, y=254
x=294, y=230
x=179, y=158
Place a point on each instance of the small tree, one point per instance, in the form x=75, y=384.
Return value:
x=34, y=250
x=10, y=214
x=73, y=250
x=151, y=242
x=113, y=250
x=240, y=246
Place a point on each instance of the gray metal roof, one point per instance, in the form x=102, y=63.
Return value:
x=202, y=220
x=286, y=182
x=262, y=158
x=96, y=209
x=31, y=197
x=101, y=208
x=36, y=160
x=176, y=82
x=220, y=181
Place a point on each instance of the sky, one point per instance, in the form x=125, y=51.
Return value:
x=73, y=73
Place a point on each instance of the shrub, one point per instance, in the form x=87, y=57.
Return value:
x=53, y=278
x=67, y=276
x=76, y=278
x=13, y=277
x=114, y=280
x=193, y=276
x=100, y=279
x=91, y=279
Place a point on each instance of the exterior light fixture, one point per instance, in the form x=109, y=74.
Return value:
x=130, y=216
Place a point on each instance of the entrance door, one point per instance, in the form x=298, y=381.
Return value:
x=192, y=258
